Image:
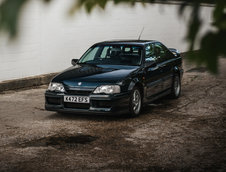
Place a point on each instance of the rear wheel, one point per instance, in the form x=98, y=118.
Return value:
x=176, y=87
x=135, y=102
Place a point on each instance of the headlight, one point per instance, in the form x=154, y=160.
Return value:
x=53, y=86
x=107, y=89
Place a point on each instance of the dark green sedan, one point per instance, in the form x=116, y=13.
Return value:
x=116, y=77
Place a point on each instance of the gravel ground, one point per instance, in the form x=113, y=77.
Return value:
x=187, y=134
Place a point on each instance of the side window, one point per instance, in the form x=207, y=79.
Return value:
x=160, y=52
x=149, y=52
x=104, y=52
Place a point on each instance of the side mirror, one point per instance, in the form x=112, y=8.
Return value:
x=74, y=61
x=175, y=52
x=150, y=63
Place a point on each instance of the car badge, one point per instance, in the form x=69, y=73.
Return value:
x=79, y=83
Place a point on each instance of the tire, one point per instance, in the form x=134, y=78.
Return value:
x=176, y=87
x=135, y=104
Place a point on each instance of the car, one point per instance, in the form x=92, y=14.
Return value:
x=116, y=77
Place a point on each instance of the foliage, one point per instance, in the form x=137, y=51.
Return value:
x=9, y=13
x=212, y=46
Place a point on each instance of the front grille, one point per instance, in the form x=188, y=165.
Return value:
x=79, y=92
x=53, y=100
x=77, y=105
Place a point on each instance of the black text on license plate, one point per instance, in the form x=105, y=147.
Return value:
x=76, y=99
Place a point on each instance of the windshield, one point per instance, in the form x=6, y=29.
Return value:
x=113, y=54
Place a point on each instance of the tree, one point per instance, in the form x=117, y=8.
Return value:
x=212, y=45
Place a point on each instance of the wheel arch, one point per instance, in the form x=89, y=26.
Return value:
x=137, y=83
x=176, y=70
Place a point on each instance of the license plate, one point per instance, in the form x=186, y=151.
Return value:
x=76, y=99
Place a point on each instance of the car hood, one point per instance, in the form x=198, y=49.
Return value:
x=92, y=76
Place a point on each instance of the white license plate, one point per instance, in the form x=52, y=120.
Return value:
x=76, y=99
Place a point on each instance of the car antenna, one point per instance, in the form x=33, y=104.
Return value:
x=141, y=33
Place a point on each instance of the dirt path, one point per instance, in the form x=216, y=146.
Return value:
x=188, y=134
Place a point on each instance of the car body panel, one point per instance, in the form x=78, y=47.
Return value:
x=94, y=75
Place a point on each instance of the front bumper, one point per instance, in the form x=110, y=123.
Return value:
x=99, y=104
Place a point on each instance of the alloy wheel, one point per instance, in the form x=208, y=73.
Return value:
x=136, y=102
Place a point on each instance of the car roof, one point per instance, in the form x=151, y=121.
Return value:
x=129, y=42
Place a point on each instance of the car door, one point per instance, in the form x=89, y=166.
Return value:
x=165, y=63
x=152, y=72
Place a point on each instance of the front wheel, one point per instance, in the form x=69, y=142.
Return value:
x=135, y=102
x=176, y=87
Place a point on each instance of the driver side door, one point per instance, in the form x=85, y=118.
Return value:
x=153, y=79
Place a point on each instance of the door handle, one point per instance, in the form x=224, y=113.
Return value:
x=153, y=68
